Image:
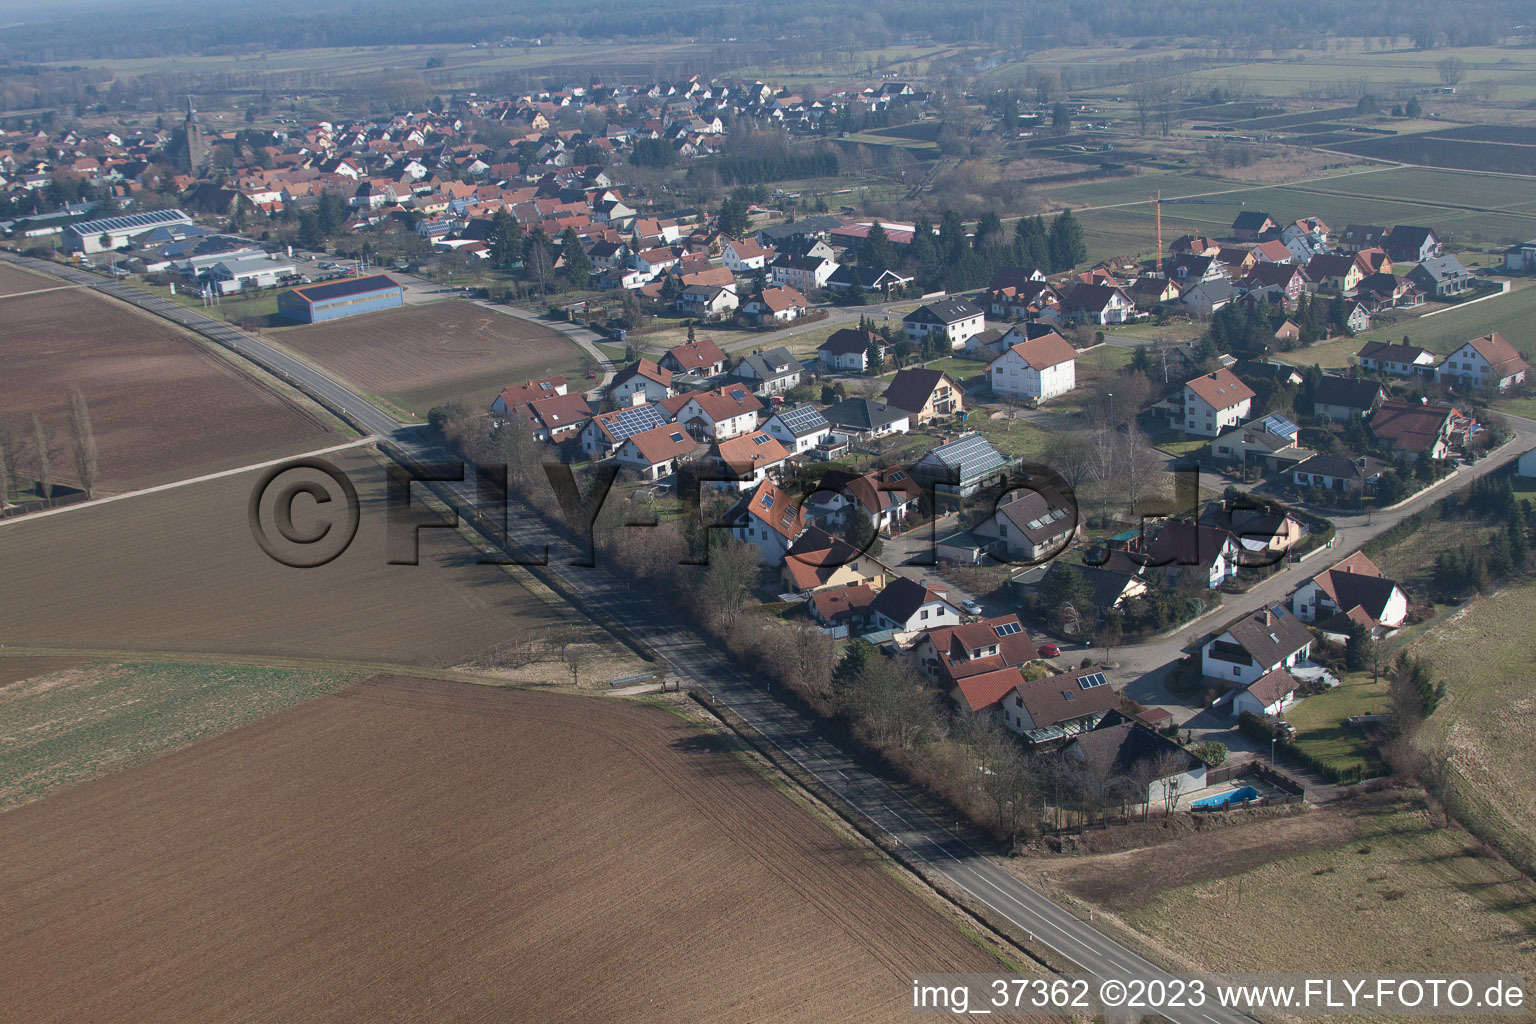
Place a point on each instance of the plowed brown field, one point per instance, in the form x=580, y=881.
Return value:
x=421, y=851
x=163, y=408
x=15, y=280
x=179, y=570
x=422, y=355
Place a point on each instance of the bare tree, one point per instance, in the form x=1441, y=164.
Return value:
x=1007, y=773
x=1141, y=470
x=1070, y=453
x=1451, y=70
x=813, y=658
x=82, y=440
x=728, y=580
x=41, y=455
x=580, y=657
x=1170, y=766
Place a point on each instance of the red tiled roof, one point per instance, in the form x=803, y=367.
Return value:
x=1221, y=389
x=984, y=691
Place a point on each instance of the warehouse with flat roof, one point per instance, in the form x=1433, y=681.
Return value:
x=90, y=236
x=333, y=300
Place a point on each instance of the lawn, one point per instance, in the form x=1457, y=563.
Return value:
x=1017, y=437
x=1321, y=729
x=1176, y=442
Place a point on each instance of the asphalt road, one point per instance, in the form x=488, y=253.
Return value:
x=929, y=843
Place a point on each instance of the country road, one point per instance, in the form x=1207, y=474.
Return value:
x=930, y=845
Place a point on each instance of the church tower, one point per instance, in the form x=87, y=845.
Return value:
x=196, y=158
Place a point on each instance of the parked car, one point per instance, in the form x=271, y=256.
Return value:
x=970, y=607
x=325, y=264
x=1049, y=650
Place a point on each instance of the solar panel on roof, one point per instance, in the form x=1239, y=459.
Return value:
x=761, y=439
x=972, y=455
x=1279, y=425
x=802, y=419
x=1090, y=681
x=635, y=420
x=1007, y=629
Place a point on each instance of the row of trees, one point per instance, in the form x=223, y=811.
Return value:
x=31, y=452
x=973, y=763
x=952, y=260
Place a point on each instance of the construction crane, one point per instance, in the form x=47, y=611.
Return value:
x=1157, y=202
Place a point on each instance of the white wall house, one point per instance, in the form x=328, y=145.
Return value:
x=642, y=382
x=1486, y=362
x=955, y=320
x=1215, y=402
x=1038, y=370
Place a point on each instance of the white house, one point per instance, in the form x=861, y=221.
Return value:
x=1255, y=645
x=805, y=274
x=1270, y=694
x=749, y=459
x=798, y=429
x=955, y=320
x=720, y=413
x=1215, y=401
x=1486, y=362
x=768, y=519
x=906, y=605
x=655, y=453
x=1527, y=465
x=848, y=349
x=1354, y=590
x=742, y=256
x=642, y=381
x=1039, y=370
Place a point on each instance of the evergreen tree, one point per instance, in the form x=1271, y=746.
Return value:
x=924, y=252
x=733, y=217
x=506, y=239
x=578, y=268
x=877, y=251
x=874, y=357
x=1066, y=245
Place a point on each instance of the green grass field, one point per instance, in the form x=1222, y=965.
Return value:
x=1484, y=654
x=1441, y=333
x=1464, y=207
x=64, y=728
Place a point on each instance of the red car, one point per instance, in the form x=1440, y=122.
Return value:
x=1050, y=651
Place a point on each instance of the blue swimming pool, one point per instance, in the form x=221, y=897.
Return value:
x=1236, y=796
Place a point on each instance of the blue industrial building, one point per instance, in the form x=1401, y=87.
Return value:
x=333, y=300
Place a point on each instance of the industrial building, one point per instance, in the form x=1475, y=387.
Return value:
x=333, y=300
x=91, y=236
x=241, y=272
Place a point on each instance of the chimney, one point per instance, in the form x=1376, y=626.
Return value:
x=1268, y=617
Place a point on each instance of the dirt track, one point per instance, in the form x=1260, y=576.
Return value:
x=162, y=407
x=443, y=852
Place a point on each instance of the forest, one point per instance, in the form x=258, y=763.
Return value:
x=153, y=31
